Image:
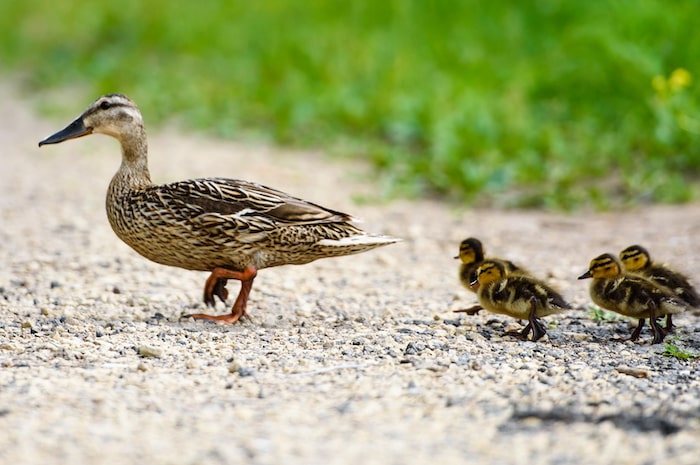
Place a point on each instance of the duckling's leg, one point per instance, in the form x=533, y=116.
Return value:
x=532, y=324
x=538, y=330
x=659, y=332
x=216, y=285
x=669, y=324
x=637, y=330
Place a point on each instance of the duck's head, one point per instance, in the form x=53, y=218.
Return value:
x=603, y=266
x=114, y=114
x=488, y=272
x=470, y=251
x=635, y=257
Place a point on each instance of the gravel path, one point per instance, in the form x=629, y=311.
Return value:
x=348, y=360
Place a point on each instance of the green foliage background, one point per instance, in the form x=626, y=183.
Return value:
x=551, y=104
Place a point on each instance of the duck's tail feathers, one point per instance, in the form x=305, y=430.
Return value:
x=366, y=241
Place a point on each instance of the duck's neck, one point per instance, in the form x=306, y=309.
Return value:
x=133, y=172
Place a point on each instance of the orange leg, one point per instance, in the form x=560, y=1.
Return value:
x=216, y=285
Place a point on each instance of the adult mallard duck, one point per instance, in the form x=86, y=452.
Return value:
x=635, y=258
x=471, y=256
x=517, y=295
x=230, y=228
x=631, y=295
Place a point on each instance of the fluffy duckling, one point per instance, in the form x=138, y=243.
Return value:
x=636, y=258
x=471, y=255
x=630, y=295
x=519, y=296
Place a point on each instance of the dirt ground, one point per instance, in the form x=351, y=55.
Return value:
x=348, y=360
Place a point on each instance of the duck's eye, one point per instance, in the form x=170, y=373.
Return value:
x=105, y=105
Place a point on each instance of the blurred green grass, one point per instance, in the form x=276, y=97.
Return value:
x=554, y=104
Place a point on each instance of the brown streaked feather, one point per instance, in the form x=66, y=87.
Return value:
x=231, y=228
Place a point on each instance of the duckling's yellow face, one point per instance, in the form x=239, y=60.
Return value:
x=635, y=258
x=603, y=266
x=470, y=251
x=489, y=272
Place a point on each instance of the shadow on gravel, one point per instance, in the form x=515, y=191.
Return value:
x=657, y=422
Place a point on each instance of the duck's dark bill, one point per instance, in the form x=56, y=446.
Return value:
x=73, y=130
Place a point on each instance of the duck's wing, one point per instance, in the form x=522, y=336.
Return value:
x=224, y=200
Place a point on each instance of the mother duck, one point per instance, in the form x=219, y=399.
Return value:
x=230, y=228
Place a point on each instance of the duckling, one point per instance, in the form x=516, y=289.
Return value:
x=471, y=255
x=635, y=258
x=631, y=295
x=519, y=296
x=229, y=228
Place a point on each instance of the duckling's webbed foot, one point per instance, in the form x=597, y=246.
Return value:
x=473, y=310
x=659, y=332
x=522, y=334
x=635, y=334
x=216, y=286
x=538, y=330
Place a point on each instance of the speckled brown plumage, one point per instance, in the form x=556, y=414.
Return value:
x=229, y=227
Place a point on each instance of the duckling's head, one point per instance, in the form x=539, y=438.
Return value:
x=471, y=250
x=603, y=266
x=490, y=271
x=635, y=257
x=115, y=115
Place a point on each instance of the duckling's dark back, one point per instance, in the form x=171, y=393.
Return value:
x=629, y=294
x=676, y=282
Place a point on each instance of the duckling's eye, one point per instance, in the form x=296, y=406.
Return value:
x=105, y=105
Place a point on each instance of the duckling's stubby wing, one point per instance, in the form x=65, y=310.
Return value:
x=676, y=282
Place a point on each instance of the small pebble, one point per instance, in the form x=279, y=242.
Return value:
x=636, y=372
x=147, y=351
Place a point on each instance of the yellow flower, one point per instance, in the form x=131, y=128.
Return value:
x=680, y=79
